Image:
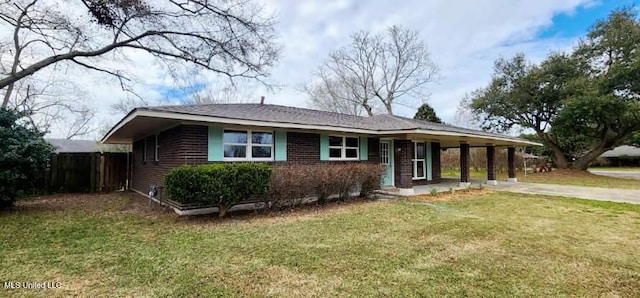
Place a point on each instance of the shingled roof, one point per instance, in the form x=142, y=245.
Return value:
x=293, y=115
x=623, y=151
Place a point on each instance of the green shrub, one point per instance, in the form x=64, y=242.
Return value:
x=223, y=185
x=23, y=155
x=433, y=191
x=291, y=182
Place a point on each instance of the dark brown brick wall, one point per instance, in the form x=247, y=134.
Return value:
x=188, y=145
x=464, y=163
x=491, y=164
x=436, y=167
x=195, y=144
x=303, y=147
x=151, y=172
x=403, y=165
x=511, y=161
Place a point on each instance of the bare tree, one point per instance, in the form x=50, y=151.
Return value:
x=218, y=93
x=229, y=37
x=50, y=103
x=336, y=96
x=464, y=116
x=383, y=68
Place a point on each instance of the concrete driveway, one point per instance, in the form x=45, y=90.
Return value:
x=582, y=192
x=618, y=174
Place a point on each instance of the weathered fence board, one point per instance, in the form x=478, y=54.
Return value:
x=85, y=172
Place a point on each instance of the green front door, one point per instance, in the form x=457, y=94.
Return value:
x=386, y=161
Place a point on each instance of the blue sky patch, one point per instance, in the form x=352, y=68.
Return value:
x=178, y=93
x=580, y=21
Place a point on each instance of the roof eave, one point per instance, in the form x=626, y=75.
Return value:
x=145, y=112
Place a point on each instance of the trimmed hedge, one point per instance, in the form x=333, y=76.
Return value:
x=223, y=185
x=291, y=182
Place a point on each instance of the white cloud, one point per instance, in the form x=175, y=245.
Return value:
x=464, y=38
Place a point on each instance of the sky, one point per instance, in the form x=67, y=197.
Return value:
x=464, y=38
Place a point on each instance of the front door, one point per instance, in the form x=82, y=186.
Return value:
x=386, y=161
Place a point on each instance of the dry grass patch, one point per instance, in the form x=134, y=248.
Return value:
x=464, y=194
x=580, y=178
x=561, y=177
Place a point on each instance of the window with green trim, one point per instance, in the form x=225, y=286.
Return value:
x=248, y=145
x=344, y=148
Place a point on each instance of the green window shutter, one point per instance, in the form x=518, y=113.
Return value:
x=281, y=145
x=427, y=145
x=364, y=148
x=324, y=147
x=216, y=149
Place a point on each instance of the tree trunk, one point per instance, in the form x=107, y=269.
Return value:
x=7, y=95
x=389, y=108
x=558, y=155
x=368, y=109
x=583, y=162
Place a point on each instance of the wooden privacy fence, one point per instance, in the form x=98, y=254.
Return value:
x=85, y=172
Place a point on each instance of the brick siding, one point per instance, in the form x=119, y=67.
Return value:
x=511, y=161
x=188, y=145
x=464, y=163
x=403, y=165
x=491, y=164
x=436, y=167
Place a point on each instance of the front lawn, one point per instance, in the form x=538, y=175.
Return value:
x=562, y=177
x=492, y=244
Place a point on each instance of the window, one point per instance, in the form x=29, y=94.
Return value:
x=150, y=142
x=345, y=148
x=155, y=150
x=248, y=145
x=144, y=150
x=419, y=169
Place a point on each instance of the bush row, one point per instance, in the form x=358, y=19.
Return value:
x=291, y=182
x=223, y=185
x=228, y=184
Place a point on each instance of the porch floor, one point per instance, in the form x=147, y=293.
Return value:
x=444, y=186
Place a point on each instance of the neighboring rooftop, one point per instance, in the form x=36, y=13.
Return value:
x=74, y=146
x=623, y=151
x=84, y=146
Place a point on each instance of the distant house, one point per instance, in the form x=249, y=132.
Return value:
x=74, y=146
x=623, y=156
x=84, y=146
x=168, y=136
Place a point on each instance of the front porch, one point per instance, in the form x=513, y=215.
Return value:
x=444, y=185
x=414, y=166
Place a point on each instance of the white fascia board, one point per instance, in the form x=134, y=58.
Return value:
x=119, y=125
x=457, y=134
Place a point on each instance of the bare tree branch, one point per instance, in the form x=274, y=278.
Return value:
x=228, y=37
x=373, y=69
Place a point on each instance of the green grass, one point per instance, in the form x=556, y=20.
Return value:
x=561, y=177
x=494, y=244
